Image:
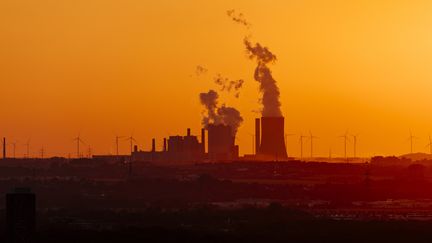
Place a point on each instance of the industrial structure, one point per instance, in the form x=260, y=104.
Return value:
x=221, y=147
x=175, y=149
x=221, y=143
x=270, y=142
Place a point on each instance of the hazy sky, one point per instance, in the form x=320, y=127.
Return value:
x=102, y=68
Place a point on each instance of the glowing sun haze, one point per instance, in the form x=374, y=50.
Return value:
x=102, y=68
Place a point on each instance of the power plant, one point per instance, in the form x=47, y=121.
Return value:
x=175, y=149
x=221, y=147
x=270, y=142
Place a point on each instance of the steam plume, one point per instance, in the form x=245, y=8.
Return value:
x=229, y=85
x=209, y=100
x=268, y=87
x=239, y=18
x=219, y=115
x=200, y=70
x=230, y=116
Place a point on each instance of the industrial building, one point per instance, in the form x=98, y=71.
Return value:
x=175, y=149
x=221, y=147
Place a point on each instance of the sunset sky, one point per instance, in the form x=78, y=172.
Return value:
x=101, y=68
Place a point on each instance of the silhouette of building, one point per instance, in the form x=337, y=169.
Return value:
x=272, y=143
x=175, y=149
x=221, y=143
x=20, y=215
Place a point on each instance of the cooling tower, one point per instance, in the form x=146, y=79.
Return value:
x=220, y=142
x=272, y=145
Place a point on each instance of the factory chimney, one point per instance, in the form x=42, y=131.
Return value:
x=4, y=148
x=188, y=132
x=165, y=145
x=273, y=143
x=153, y=145
x=257, y=135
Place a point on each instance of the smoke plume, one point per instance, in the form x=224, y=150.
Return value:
x=230, y=117
x=210, y=101
x=268, y=87
x=219, y=115
x=200, y=70
x=229, y=85
x=238, y=18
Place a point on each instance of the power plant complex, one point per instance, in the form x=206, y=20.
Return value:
x=219, y=145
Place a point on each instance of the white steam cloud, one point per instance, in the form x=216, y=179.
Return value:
x=217, y=115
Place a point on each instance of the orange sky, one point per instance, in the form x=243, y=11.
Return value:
x=115, y=67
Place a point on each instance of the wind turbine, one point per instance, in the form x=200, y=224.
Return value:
x=42, y=152
x=131, y=139
x=430, y=144
x=27, y=144
x=89, y=152
x=301, y=145
x=311, y=137
x=355, y=144
x=14, y=148
x=411, y=138
x=78, y=142
x=345, y=137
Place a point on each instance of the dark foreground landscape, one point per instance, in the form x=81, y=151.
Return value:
x=384, y=200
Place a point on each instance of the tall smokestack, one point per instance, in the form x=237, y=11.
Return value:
x=4, y=148
x=257, y=135
x=153, y=145
x=188, y=132
x=273, y=141
x=165, y=145
x=203, y=139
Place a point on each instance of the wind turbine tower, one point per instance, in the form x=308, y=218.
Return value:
x=411, y=138
x=301, y=145
x=27, y=144
x=131, y=139
x=78, y=142
x=345, y=137
x=311, y=137
x=355, y=144
x=13, y=149
x=42, y=152
x=430, y=145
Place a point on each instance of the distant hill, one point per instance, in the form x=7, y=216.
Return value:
x=417, y=156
